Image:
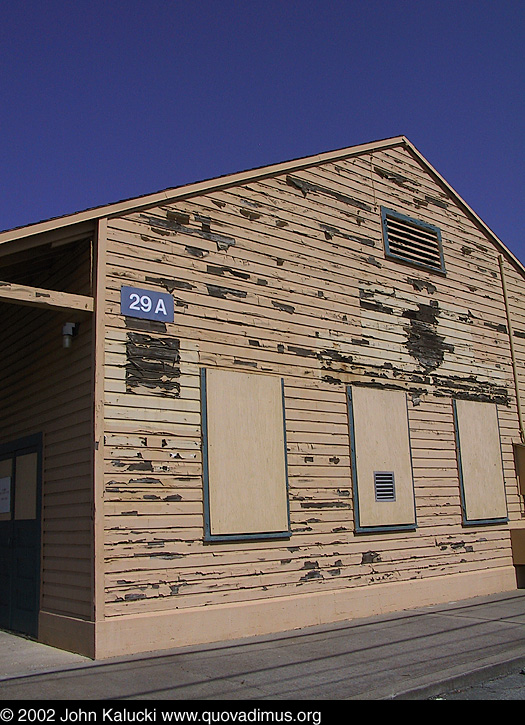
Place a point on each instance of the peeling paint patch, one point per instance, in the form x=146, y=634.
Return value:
x=225, y=292
x=249, y=363
x=167, y=226
x=361, y=341
x=376, y=307
x=135, y=323
x=398, y=179
x=423, y=341
x=152, y=481
x=324, y=505
x=153, y=363
x=181, y=217
x=307, y=186
x=422, y=284
x=311, y=565
x=221, y=271
x=370, y=557
x=171, y=284
x=249, y=214
x=332, y=381
x=283, y=307
x=301, y=351
x=204, y=221
x=469, y=388
x=141, y=466
x=333, y=356
x=437, y=202
x=223, y=243
x=330, y=232
x=314, y=574
x=196, y=252
x=495, y=326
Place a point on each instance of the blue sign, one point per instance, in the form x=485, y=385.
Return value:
x=146, y=304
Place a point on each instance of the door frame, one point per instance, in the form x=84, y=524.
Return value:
x=12, y=449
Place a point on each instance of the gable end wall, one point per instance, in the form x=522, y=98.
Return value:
x=287, y=276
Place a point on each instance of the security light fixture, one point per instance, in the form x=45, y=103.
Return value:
x=69, y=331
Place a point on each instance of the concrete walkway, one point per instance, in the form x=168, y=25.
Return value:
x=414, y=654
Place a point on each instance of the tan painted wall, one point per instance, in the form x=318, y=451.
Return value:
x=287, y=279
x=46, y=389
x=516, y=293
x=515, y=285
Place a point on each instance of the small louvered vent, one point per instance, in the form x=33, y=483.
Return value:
x=412, y=240
x=384, y=486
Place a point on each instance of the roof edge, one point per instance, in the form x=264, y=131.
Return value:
x=221, y=182
x=463, y=204
x=197, y=187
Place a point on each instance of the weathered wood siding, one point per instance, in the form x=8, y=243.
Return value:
x=516, y=299
x=46, y=389
x=288, y=276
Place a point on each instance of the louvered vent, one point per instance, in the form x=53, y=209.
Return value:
x=412, y=240
x=384, y=486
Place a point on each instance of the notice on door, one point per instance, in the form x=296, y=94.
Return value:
x=5, y=495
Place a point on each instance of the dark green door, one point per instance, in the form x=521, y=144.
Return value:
x=20, y=534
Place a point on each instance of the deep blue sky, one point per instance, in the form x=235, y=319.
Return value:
x=105, y=100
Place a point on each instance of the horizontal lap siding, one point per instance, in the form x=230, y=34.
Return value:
x=303, y=292
x=515, y=294
x=46, y=389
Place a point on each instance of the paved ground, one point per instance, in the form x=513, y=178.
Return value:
x=416, y=654
x=508, y=687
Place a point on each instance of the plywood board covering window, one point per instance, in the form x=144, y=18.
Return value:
x=245, y=455
x=479, y=462
x=380, y=448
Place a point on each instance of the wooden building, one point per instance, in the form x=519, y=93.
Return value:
x=279, y=398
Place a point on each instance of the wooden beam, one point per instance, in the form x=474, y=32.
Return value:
x=20, y=294
x=50, y=236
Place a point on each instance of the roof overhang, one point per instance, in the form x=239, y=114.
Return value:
x=78, y=225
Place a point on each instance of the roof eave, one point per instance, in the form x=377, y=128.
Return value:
x=463, y=204
x=193, y=189
x=221, y=182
